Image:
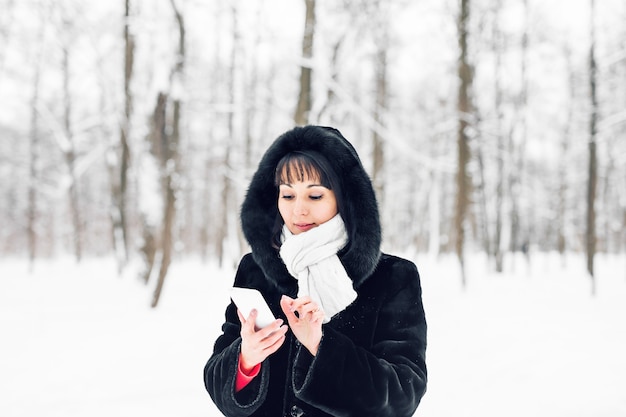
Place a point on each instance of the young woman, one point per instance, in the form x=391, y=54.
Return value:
x=350, y=333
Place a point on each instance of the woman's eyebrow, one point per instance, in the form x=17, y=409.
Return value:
x=308, y=186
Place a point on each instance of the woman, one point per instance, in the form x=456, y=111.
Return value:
x=350, y=334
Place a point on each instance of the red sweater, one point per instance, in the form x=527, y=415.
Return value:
x=243, y=378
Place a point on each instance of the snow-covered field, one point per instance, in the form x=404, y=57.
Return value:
x=78, y=340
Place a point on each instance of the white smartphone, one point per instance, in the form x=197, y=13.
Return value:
x=247, y=299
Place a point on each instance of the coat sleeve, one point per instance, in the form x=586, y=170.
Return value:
x=389, y=379
x=220, y=372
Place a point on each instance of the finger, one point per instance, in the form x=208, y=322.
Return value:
x=309, y=308
x=286, y=305
x=270, y=329
x=287, y=300
x=274, y=337
x=242, y=319
x=318, y=316
x=247, y=324
x=270, y=344
x=305, y=307
x=299, y=302
x=280, y=339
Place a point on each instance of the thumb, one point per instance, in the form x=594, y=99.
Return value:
x=248, y=323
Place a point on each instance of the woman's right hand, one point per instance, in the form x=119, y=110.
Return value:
x=257, y=345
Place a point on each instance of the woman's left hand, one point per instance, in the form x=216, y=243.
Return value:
x=307, y=325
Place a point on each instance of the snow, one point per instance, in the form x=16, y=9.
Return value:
x=78, y=340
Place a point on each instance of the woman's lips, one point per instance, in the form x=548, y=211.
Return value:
x=304, y=226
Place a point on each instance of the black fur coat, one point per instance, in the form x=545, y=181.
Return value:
x=371, y=359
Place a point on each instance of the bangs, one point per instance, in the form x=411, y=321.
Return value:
x=298, y=167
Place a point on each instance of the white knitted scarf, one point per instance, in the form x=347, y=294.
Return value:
x=311, y=258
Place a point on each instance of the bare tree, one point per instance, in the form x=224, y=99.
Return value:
x=6, y=23
x=498, y=48
x=119, y=151
x=165, y=145
x=69, y=145
x=169, y=145
x=381, y=92
x=562, y=245
x=516, y=175
x=303, y=108
x=33, y=177
x=331, y=96
x=152, y=167
x=162, y=162
x=228, y=191
x=592, y=179
x=463, y=136
x=483, y=196
x=213, y=233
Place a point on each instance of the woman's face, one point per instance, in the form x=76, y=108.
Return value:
x=305, y=204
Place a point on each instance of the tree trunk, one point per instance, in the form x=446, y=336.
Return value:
x=434, y=214
x=303, y=107
x=70, y=157
x=227, y=191
x=517, y=151
x=464, y=114
x=170, y=163
x=167, y=235
x=592, y=179
x=379, y=112
x=222, y=231
x=331, y=96
x=119, y=165
x=498, y=49
x=33, y=180
x=563, y=161
x=153, y=226
x=129, y=57
x=482, y=197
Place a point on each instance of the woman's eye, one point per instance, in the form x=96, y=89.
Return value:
x=287, y=196
x=315, y=197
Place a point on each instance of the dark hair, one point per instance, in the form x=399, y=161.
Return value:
x=297, y=166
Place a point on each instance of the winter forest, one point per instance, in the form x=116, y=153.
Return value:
x=492, y=130
x=132, y=127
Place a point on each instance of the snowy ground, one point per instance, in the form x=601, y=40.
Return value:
x=81, y=341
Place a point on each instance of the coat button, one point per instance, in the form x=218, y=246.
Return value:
x=296, y=411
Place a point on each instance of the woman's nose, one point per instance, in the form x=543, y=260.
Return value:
x=300, y=207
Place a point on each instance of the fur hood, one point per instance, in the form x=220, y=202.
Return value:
x=259, y=209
